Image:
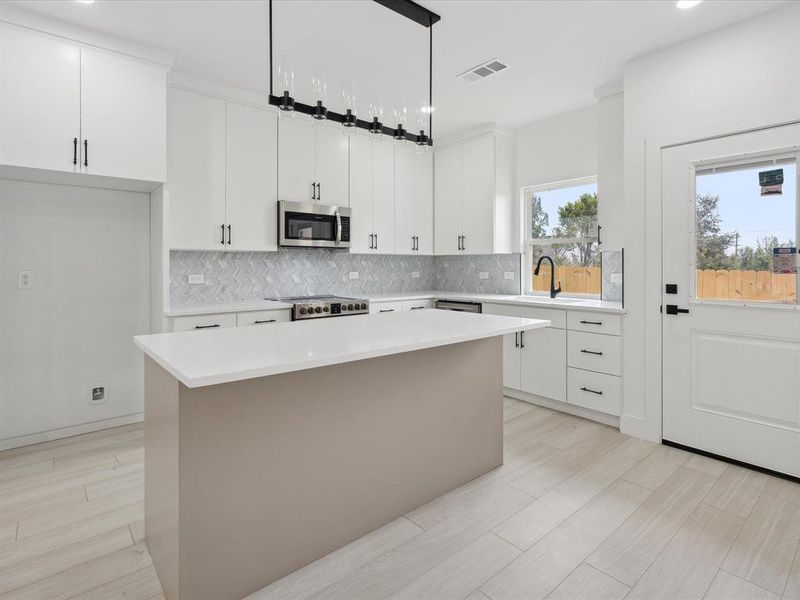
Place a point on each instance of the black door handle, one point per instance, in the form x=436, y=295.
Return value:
x=75, y=151
x=592, y=352
x=85, y=153
x=585, y=389
x=672, y=309
x=206, y=326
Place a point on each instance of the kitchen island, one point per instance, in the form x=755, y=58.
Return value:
x=269, y=447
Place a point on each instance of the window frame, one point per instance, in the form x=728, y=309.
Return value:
x=526, y=266
x=735, y=163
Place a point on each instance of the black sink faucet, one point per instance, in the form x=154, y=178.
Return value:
x=554, y=291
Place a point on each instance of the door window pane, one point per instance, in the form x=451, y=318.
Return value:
x=746, y=233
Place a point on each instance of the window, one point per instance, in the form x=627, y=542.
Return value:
x=746, y=231
x=562, y=224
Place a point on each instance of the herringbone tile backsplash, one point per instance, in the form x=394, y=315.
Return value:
x=242, y=276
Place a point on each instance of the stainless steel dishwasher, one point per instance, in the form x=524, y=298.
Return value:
x=473, y=307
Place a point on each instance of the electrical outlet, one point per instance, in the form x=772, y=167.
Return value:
x=25, y=280
x=414, y=274
x=98, y=395
x=508, y=275
x=353, y=274
x=197, y=278
x=483, y=275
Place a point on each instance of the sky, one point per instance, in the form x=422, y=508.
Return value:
x=553, y=199
x=744, y=209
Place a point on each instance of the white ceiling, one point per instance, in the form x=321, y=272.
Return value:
x=558, y=51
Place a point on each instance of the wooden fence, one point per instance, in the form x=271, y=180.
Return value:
x=758, y=286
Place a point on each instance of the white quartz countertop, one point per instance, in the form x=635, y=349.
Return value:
x=209, y=357
x=587, y=304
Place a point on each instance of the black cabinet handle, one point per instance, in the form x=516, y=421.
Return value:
x=319, y=191
x=464, y=246
x=74, y=151
x=376, y=241
x=585, y=389
x=371, y=242
x=417, y=307
x=521, y=339
x=386, y=310
x=257, y=322
x=591, y=322
x=206, y=326
x=229, y=235
x=313, y=190
x=592, y=352
x=516, y=340
x=222, y=241
x=85, y=153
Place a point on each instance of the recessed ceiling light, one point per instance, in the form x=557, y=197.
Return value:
x=684, y=4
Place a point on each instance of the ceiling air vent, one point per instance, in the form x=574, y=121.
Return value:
x=483, y=70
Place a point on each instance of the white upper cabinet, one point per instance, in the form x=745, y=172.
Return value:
x=123, y=116
x=313, y=161
x=474, y=196
x=67, y=107
x=372, y=180
x=251, y=197
x=40, y=100
x=196, y=171
x=222, y=186
x=413, y=201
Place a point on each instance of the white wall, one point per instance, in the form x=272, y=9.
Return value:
x=89, y=251
x=747, y=75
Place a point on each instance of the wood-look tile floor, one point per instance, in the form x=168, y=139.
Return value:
x=577, y=511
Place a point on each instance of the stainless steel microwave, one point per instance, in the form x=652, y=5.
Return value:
x=313, y=225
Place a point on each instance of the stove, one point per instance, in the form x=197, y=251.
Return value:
x=317, y=307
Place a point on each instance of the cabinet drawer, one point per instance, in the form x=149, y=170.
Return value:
x=594, y=352
x=417, y=304
x=199, y=322
x=557, y=318
x=597, y=391
x=376, y=308
x=263, y=317
x=594, y=322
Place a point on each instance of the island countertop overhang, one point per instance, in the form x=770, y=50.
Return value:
x=237, y=353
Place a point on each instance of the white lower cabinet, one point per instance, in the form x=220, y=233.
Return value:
x=201, y=322
x=596, y=391
x=418, y=304
x=377, y=308
x=263, y=317
x=543, y=368
x=594, y=352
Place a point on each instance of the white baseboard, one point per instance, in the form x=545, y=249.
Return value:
x=571, y=409
x=65, y=432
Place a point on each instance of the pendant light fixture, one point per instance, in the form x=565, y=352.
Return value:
x=318, y=110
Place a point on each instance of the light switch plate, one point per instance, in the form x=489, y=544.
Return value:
x=353, y=274
x=197, y=278
x=483, y=275
x=508, y=275
x=414, y=274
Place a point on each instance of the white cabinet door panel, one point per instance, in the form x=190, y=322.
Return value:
x=196, y=164
x=478, y=196
x=594, y=352
x=377, y=308
x=544, y=363
x=39, y=100
x=295, y=159
x=123, y=116
x=423, y=201
x=593, y=322
x=511, y=361
x=251, y=178
x=331, y=164
x=361, y=195
x=594, y=390
x=203, y=322
x=418, y=304
x=383, y=196
x=404, y=186
x=263, y=317
x=447, y=212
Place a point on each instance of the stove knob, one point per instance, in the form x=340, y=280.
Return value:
x=318, y=310
x=363, y=306
x=303, y=311
x=325, y=309
x=349, y=307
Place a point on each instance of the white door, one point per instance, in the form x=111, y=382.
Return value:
x=361, y=232
x=511, y=361
x=447, y=212
x=383, y=195
x=423, y=201
x=544, y=363
x=123, y=116
x=404, y=186
x=251, y=180
x=296, y=159
x=39, y=100
x=478, y=196
x=331, y=164
x=731, y=364
x=196, y=165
